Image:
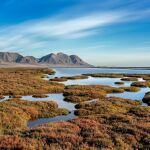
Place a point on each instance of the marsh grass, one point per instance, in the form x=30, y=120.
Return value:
x=14, y=114
x=106, y=123
x=119, y=83
x=2, y=97
x=141, y=84
x=129, y=79
x=40, y=96
x=26, y=81
x=130, y=89
x=62, y=79
x=119, y=75
x=79, y=93
x=146, y=98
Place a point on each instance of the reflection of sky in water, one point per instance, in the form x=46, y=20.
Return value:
x=132, y=95
x=53, y=119
x=5, y=98
x=58, y=98
x=78, y=71
x=100, y=81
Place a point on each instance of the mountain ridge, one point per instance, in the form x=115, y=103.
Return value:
x=58, y=59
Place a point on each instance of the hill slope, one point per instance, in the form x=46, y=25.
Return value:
x=58, y=60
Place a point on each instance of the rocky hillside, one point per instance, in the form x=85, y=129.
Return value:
x=59, y=60
x=28, y=60
x=10, y=57
x=62, y=59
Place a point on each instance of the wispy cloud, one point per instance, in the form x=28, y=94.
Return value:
x=30, y=35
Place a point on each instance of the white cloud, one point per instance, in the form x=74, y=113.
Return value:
x=30, y=34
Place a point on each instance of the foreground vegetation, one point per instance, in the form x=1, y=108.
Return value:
x=107, y=123
x=15, y=114
x=104, y=123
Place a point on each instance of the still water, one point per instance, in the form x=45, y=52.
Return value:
x=59, y=98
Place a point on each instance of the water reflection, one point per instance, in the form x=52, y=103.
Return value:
x=98, y=81
x=58, y=98
x=53, y=119
x=132, y=95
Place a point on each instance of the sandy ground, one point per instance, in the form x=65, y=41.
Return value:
x=17, y=65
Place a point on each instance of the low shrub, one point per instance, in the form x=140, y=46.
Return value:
x=40, y=96
x=146, y=98
x=2, y=97
x=139, y=84
x=131, y=89
x=14, y=114
x=119, y=82
x=62, y=79
x=129, y=79
x=26, y=81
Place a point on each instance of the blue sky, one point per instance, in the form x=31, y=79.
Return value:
x=102, y=32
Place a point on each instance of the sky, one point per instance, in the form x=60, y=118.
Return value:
x=101, y=32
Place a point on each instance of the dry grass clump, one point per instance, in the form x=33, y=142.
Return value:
x=108, y=123
x=9, y=142
x=129, y=79
x=17, y=96
x=77, y=77
x=44, y=76
x=56, y=79
x=77, y=99
x=121, y=123
x=2, y=97
x=146, y=98
x=80, y=93
x=14, y=114
x=26, y=81
x=118, y=75
x=103, y=88
x=63, y=133
x=105, y=75
x=48, y=71
x=105, y=106
x=131, y=89
x=62, y=79
x=141, y=84
x=127, y=128
x=146, y=78
x=40, y=96
x=119, y=83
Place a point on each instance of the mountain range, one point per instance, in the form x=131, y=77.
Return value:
x=59, y=59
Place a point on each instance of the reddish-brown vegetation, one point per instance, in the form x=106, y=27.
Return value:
x=129, y=79
x=79, y=93
x=14, y=114
x=141, y=84
x=146, y=98
x=119, y=75
x=131, y=89
x=26, y=81
x=105, y=123
x=62, y=79
x=40, y=96
x=119, y=82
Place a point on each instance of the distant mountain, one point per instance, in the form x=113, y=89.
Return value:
x=59, y=60
x=28, y=60
x=10, y=57
x=63, y=59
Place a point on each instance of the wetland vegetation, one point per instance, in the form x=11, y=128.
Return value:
x=103, y=122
